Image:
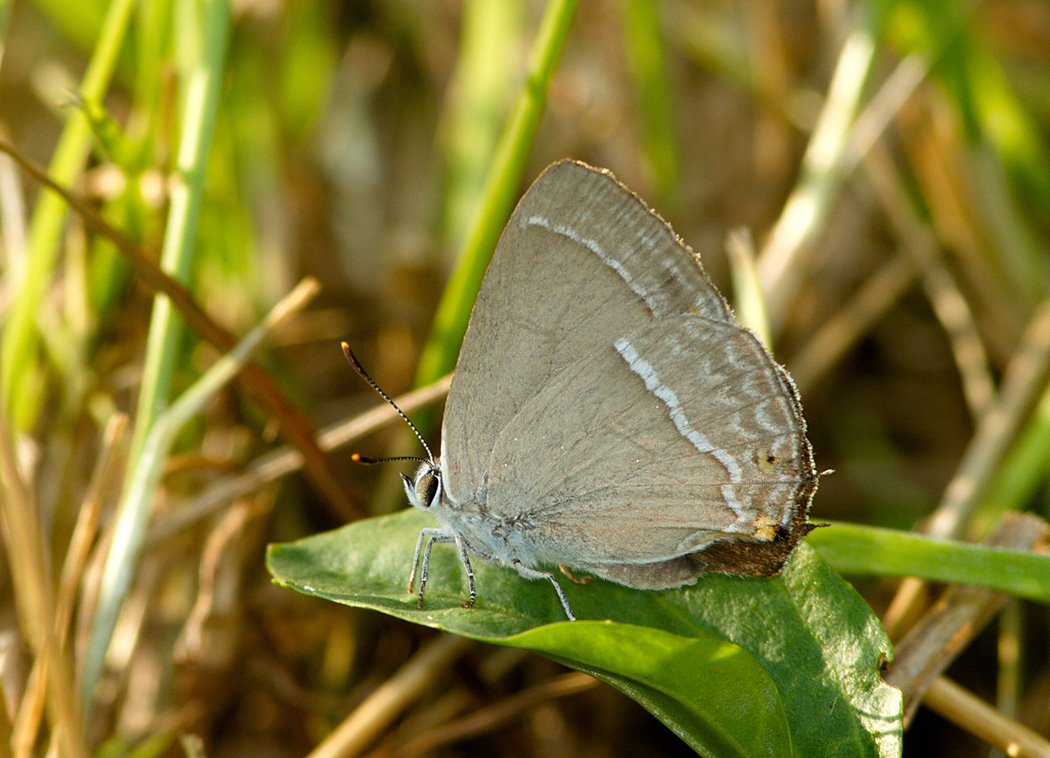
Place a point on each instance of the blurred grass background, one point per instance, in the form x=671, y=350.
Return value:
x=890, y=159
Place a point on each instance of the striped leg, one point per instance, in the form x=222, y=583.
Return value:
x=531, y=573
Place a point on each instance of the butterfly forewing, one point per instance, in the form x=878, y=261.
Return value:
x=609, y=408
x=581, y=262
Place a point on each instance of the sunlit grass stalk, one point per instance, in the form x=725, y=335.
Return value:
x=783, y=261
x=748, y=302
x=133, y=514
x=1025, y=381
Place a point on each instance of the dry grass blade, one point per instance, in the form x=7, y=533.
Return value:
x=398, y=692
x=492, y=717
x=134, y=512
x=28, y=720
x=35, y=598
x=952, y=623
x=951, y=307
x=1025, y=381
x=294, y=424
x=973, y=714
x=283, y=461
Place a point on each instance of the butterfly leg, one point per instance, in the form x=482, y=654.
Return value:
x=461, y=545
x=419, y=548
x=572, y=577
x=435, y=535
x=531, y=573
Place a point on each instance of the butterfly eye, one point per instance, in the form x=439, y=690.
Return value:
x=428, y=487
x=425, y=488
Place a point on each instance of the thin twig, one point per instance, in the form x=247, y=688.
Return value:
x=847, y=325
x=283, y=461
x=134, y=510
x=35, y=600
x=384, y=705
x=294, y=425
x=84, y=533
x=976, y=716
x=492, y=717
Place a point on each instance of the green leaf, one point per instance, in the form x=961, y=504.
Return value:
x=732, y=709
x=862, y=549
x=750, y=667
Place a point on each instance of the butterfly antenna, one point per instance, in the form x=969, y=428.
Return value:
x=371, y=382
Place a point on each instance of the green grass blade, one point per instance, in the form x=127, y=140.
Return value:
x=201, y=102
x=476, y=110
x=645, y=48
x=501, y=187
x=20, y=339
x=133, y=513
x=856, y=549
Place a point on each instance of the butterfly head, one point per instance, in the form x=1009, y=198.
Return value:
x=425, y=489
